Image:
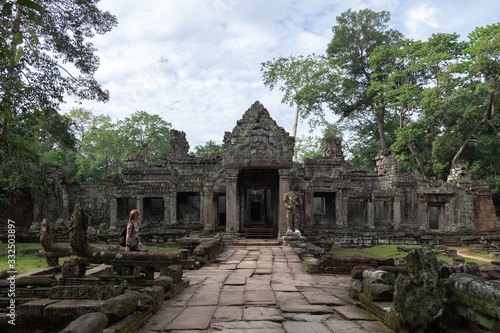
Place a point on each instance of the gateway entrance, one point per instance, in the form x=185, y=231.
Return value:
x=259, y=190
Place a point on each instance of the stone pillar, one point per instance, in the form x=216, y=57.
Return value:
x=285, y=181
x=370, y=214
x=341, y=208
x=208, y=211
x=232, y=216
x=140, y=204
x=113, y=220
x=308, y=210
x=166, y=209
x=173, y=206
x=397, y=213
x=423, y=216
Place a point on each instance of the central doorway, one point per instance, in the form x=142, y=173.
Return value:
x=258, y=208
x=259, y=190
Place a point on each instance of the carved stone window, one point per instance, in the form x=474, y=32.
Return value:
x=357, y=212
x=324, y=208
x=124, y=206
x=188, y=206
x=384, y=212
x=153, y=209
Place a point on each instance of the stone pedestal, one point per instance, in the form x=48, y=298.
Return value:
x=74, y=267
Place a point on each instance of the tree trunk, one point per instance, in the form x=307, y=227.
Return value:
x=462, y=149
x=294, y=128
x=379, y=116
x=421, y=167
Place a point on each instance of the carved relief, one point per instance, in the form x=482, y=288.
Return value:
x=257, y=137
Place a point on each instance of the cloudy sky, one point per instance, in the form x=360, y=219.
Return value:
x=196, y=63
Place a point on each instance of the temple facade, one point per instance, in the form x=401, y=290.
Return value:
x=242, y=191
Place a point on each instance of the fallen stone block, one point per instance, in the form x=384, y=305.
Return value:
x=174, y=271
x=93, y=322
x=121, y=306
x=69, y=310
x=165, y=281
x=379, y=276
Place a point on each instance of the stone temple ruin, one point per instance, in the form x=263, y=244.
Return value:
x=240, y=193
x=254, y=189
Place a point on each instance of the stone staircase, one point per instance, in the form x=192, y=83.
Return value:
x=259, y=232
x=243, y=241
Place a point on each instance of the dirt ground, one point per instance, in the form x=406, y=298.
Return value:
x=459, y=252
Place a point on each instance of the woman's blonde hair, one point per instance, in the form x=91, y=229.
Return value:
x=134, y=214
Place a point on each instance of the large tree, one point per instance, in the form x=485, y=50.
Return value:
x=303, y=81
x=45, y=55
x=355, y=36
x=144, y=134
x=408, y=73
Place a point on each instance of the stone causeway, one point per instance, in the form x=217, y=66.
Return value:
x=262, y=289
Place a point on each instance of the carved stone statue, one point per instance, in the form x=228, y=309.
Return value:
x=78, y=231
x=46, y=237
x=293, y=202
x=332, y=148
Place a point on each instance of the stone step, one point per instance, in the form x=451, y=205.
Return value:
x=259, y=233
x=256, y=242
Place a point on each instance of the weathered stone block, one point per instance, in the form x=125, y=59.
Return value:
x=355, y=289
x=93, y=322
x=165, y=281
x=73, y=269
x=174, y=271
x=33, y=281
x=379, y=276
x=121, y=306
x=158, y=295
x=33, y=311
x=69, y=310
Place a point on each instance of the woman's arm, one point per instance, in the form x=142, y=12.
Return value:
x=127, y=238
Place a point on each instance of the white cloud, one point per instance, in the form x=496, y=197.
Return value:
x=421, y=18
x=197, y=63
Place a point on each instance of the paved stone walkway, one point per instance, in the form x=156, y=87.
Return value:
x=262, y=289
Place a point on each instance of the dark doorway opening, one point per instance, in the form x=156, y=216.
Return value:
x=259, y=191
x=220, y=210
x=124, y=206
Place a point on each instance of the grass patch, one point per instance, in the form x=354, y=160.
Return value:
x=390, y=251
x=379, y=251
x=25, y=262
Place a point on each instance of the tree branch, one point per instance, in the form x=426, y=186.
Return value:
x=462, y=149
x=415, y=156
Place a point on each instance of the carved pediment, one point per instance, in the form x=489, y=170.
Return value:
x=257, y=141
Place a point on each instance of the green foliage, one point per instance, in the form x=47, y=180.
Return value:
x=312, y=146
x=210, y=150
x=103, y=145
x=431, y=101
x=144, y=134
x=355, y=37
x=307, y=147
x=306, y=81
x=38, y=39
